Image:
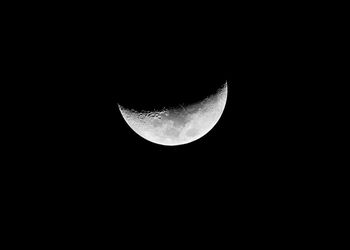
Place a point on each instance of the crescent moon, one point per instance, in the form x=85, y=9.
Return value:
x=172, y=127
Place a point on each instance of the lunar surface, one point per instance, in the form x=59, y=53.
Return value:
x=177, y=126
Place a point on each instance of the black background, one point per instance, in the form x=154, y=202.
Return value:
x=83, y=167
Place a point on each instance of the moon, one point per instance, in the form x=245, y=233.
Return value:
x=178, y=126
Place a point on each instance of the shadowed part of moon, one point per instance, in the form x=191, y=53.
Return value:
x=178, y=126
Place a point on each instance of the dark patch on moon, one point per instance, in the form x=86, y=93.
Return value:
x=192, y=132
x=178, y=117
x=157, y=123
x=172, y=132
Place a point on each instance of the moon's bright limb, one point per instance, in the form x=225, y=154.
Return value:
x=180, y=126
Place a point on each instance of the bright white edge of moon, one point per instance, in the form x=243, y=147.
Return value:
x=178, y=126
